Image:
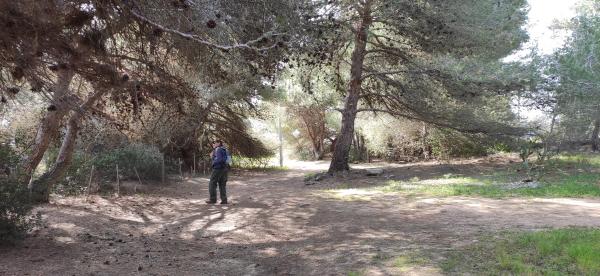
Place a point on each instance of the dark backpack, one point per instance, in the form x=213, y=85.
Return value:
x=228, y=158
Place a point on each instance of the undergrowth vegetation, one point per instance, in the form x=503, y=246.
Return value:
x=15, y=207
x=261, y=163
x=133, y=160
x=577, y=185
x=569, y=175
x=144, y=159
x=571, y=251
x=15, y=212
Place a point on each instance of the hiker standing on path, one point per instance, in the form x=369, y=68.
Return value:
x=219, y=173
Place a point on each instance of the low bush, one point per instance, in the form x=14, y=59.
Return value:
x=15, y=208
x=450, y=143
x=404, y=140
x=147, y=160
x=304, y=153
x=15, y=211
x=8, y=159
x=253, y=163
x=76, y=178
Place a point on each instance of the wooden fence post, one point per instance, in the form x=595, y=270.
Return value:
x=163, y=170
x=118, y=182
x=89, y=183
x=180, y=171
x=139, y=179
x=194, y=170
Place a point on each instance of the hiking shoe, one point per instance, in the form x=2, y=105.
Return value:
x=224, y=202
x=210, y=202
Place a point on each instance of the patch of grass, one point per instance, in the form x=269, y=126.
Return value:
x=573, y=175
x=275, y=168
x=350, y=194
x=577, y=161
x=565, y=176
x=355, y=273
x=379, y=257
x=578, y=185
x=309, y=176
x=409, y=261
x=259, y=164
x=571, y=251
x=270, y=168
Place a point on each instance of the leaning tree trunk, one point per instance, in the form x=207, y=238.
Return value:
x=316, y=138
x=49, y=126
x=595, y=133
x=318, y=151
x=40, y=188
x=341, y=153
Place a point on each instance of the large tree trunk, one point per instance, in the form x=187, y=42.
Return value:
x=313, y=119
x=595, y=138
x=40, y=188
x=318, y=152
x=49, y=126
x=316, y=133
x=339, y=162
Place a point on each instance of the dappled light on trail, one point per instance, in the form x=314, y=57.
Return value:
x=174, y=137
x=275, y=224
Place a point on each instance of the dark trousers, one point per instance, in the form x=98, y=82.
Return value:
x=218, y=177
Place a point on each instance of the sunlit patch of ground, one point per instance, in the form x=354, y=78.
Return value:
x=350, y=194
x=278, y=225
x=494, y=185
x=569, y=251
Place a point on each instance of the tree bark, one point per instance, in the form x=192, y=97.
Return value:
x=318, y=151
x=49, y=126
x=339, y=162
x=40, y=188
x=595, y=138
x=313, y=120
x=364, y=151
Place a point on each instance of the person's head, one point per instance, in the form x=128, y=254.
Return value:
x=217, y=143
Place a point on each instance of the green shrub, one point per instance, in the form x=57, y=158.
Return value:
x=76, y=178
x=253, y=163
x=15, y=211
x=15, y=208
x=450, y=143
x=147, y=160
x=304, y=153
x=500, y=147
x=8, y=157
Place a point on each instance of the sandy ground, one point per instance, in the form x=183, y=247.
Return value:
x=276, y=225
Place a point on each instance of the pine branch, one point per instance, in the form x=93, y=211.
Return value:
x=248, y=45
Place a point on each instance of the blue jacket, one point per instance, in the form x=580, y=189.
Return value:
x=219, y=159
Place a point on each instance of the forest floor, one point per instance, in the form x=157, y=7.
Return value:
x=278, y=225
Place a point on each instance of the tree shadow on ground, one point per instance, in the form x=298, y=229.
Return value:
x=357, y=177
x=277, y=226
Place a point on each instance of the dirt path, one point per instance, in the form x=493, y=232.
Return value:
x=276, y=226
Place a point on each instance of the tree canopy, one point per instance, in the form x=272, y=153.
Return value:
x=392, y=57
